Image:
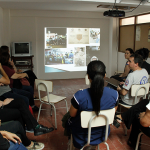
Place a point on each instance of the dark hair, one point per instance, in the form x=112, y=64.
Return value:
x=96, y=71
x=144, y=52
x=4, y=49
x=4, y=59
x=130, y=50
x=137, y=59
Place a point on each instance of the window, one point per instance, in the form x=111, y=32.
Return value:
x=127, y=21
x=143, y=19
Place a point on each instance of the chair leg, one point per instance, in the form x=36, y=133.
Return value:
x=125, y=131
x=71, y=143
x=51, y=109
x=39, y=112
x=55, y=117
x=138, y=139
x=107, y=146
x=66, y=105
x=98, y=147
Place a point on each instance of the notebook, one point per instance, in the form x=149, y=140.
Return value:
x=113, y=82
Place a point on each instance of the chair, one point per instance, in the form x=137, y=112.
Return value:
x=138, y=139
x=87, y=81
x=89, y=119
x=137, y=90
x=49, y=99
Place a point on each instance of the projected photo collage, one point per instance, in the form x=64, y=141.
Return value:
x=70, y=49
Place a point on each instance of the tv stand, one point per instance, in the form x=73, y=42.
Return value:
x=23, y=62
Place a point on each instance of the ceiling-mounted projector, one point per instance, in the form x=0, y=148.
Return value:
x=114, y=13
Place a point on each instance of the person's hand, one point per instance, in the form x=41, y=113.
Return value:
x=26, y=75
x=12, y=63
x=7, y=101
x=12, y=137
x=19, y=70
x=1, y=84
x=118, y=88
x=141, y=115
x=1, y=103
x=121, y=83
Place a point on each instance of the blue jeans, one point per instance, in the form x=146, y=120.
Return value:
x=14, y=95
x=16, y=146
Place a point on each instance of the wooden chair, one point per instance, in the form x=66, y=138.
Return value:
x=89, y=120
x=49, y=99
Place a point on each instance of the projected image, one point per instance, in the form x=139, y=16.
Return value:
x=94, y=35
x=92, y=53
x=55, y=38
x=70, y=49
x=78, y=35
x=58, y=56
x=79, y=56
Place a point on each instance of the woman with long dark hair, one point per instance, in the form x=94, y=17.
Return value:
x=24, y=89
x=95, y=98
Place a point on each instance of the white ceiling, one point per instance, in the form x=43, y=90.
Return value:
x=73, y=5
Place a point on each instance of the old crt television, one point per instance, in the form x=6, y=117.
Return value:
x=20, y=49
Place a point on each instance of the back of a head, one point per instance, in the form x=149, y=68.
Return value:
x=4, y=49
x=137, y=59
x=144, y=52
x=4, y=58
x=96, y=71
x=130, y=50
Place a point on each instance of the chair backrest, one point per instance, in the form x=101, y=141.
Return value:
x=89, y=119
x=43, y=85
x=139, y=90
x=87, y=81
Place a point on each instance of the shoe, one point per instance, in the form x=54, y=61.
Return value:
x=36, y=146
x=29, y=131
x=115, y=122
x=35, y=108
x=42, y=130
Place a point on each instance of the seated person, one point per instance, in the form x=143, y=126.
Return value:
x=127, y=70
x=138, y=76
x=30, y=73
x=25, y=90
x=144, y=52
x=139, y=117
x=15, y=109
x=13, y=137
x=95, y=98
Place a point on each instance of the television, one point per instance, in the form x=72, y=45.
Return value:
x=20, y=49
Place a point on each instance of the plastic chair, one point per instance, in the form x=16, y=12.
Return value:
x=87, y=81
x=138, y=141
x=89, y=120
x=137, y=90
x=49, y=99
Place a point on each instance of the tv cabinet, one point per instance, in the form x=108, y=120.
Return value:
x=23, y=62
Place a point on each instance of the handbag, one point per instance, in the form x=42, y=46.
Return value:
x=25, y=82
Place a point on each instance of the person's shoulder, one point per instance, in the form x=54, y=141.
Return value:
x=109, y=91
x=81, y=92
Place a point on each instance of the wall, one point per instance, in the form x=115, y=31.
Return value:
x=28, y=25
x=1, y=24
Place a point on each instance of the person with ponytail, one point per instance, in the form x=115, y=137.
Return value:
x=95, y=98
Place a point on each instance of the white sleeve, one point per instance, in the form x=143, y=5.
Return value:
x=148, y=106
x=129, y=81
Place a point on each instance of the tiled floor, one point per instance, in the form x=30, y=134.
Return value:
x=56, y=140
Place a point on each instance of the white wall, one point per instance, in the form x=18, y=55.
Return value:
x=1, y=24
x=28, y=25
